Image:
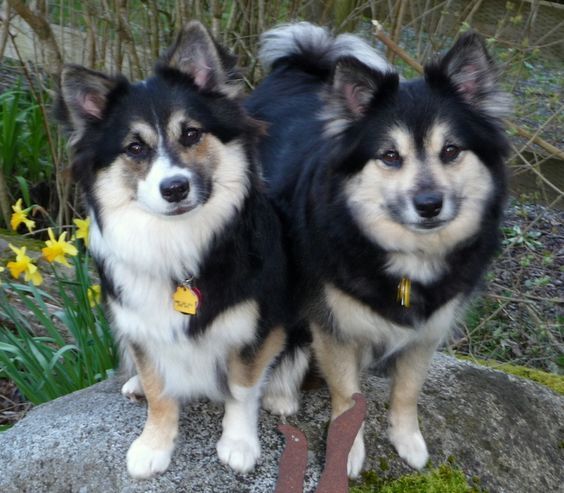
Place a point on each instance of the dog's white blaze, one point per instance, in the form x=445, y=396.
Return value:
x=148, y=189
x=359, y=322
x=188, y=366
x=162, y=246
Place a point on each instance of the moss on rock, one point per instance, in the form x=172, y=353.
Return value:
x=551, y=380
x=446, y=478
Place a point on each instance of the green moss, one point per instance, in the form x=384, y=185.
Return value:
x=443, y=479
x=551, y=380
x=370, y=482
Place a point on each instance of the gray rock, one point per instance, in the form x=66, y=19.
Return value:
x=502, y=429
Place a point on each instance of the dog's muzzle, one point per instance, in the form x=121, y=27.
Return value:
x=175, y=188
x=428, y=204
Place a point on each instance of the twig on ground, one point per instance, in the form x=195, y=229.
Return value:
x=529, y=299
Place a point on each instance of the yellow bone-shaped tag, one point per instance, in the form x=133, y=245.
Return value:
x=185, y=300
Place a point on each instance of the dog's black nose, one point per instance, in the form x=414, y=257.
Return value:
x=428, y=204
x=175, y=188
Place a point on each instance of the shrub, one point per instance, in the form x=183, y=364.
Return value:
x=56, y=342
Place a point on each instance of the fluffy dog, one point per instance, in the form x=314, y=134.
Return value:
x=391, y=195
x=187, y=246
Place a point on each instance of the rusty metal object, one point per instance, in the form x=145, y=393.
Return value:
x=340, y=439
x=342, y=432
x=293, y=461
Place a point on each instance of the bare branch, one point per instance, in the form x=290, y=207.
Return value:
x=43, y=31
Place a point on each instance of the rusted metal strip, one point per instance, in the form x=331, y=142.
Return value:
x=293, y=462
x=340, y=438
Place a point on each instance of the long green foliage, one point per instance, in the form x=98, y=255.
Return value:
x=58, y=343
x=25, y=157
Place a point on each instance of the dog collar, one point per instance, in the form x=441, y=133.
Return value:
x=186, y=299
x=403, y=294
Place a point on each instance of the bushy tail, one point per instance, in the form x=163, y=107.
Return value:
x=296, y=41
x=315, y=47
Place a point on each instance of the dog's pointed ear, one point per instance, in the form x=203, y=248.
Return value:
x=83, y=96
x=196, y=54
x=472, y=72
x=355, y=85
x=84, y=93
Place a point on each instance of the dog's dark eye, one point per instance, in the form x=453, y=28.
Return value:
x=190, y=136
x=449, y=153
x=137, y=150
x=391, y=158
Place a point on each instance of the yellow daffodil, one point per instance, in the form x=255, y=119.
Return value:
x=94, y=295
x=20, y=216
x=56, y=250
x=83, y=229
x=24, y=264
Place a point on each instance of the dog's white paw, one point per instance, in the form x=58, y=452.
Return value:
x=410, y=446
x=132, y=389
x=241, y=454
x=356, y=457
x=143, y=461
x=281, y=405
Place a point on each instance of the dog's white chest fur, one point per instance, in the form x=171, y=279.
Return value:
x=189, y=366
x=357, y=321
x=143, y=313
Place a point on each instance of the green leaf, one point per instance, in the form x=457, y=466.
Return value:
x=24, y=189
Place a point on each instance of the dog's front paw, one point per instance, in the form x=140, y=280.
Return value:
x=241, y=454
x=132, y=389
x=144, y=461
x=281, y=405
x=356, y=457
x=410, y=446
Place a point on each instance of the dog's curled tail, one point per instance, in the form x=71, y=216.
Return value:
x=315, y=48
x=349, y=45
x=300, y=42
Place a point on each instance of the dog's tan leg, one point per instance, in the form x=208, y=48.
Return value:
x=340, y=366
x=239, y=446
x=408, y=376
x=150, y=453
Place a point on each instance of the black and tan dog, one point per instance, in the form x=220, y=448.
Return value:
x=391, y=194
x=187, y=246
